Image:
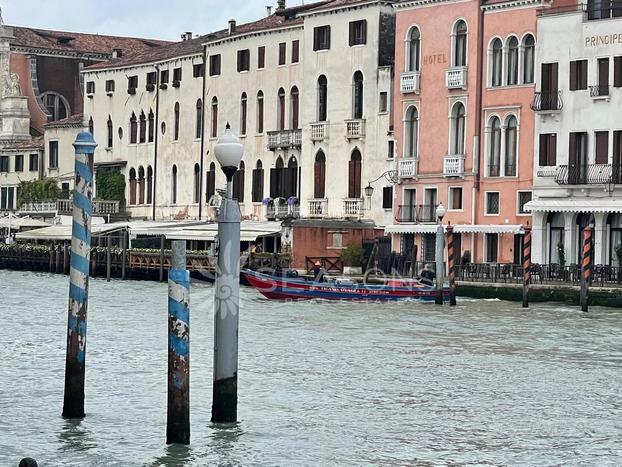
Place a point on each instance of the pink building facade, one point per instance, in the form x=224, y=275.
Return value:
x=464, y=126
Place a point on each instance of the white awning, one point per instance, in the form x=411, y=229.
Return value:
x=203, y=231
x=466, y=229
x=18, y=223
x=410, y=229
x=63, y=232
x=575, y=205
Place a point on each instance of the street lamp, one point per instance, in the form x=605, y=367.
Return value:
x=369, y=191
x=440, y=245
x=228, y=151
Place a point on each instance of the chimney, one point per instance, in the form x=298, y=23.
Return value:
x=188, y=35
x=117, y=53
x=231, y=26
x=269, y=10
x=280, y=5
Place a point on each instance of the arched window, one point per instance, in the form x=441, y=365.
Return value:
x=149, y=184
x=91, y=126
x=295, y=105
x=143, y=128
x=290, y=181
x=174, y=185
x=238, y=183
x=614, y=222
x=458, y=128
x=109, y=131
x=176, y=124
x=243, y=113
x=354, y=175
x=319, y=176
x=198, y=125
x=512, y=61
x=460, y=44
x=132, y=186
x=260, y=112
x=529, y=47
x=357, y=95
x=214, y=132
x=141, y=185
x=281, y=109
x=494, y=149
x=496, y=62
x=56, y=105
x=511, y=142
x=322, y=98
x=411, y=132
x=197, y=184
x=133, y=129
x=210, y=182
x=257, y=189
x=414, y=49
x=151, y=121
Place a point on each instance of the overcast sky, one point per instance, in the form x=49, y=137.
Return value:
x=158, y=19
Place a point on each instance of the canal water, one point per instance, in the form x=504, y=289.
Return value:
x=486, y=383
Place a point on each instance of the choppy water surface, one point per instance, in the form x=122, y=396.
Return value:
x=486, y=383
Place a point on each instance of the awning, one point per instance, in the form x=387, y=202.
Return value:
x=63, y=232
x=410, y=229
x=466, y=229
x=249, y=231
x=575, y=205
x=18, y=223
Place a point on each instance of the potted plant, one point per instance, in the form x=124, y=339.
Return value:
x=352, y=257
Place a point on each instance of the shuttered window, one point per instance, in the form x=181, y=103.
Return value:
x=243, y=60
x=617, y=72
x=578, y=75
x=257, y=189
x=238, y=184
x=319, y=176
x=548, y=149
x=282, y=53
x=602, y=147
x=261, y=57
x=387, y=197
x=214, y=65
x=358, y=32
x=321, y=38
x=295, y=51
x=210, y=185
x=354, y=175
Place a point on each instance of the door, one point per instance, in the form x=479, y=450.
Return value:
x=429, y=207
x=577, y=159
x=409, y=210
x=519, y=241
x=617, y=157
x=549, y=88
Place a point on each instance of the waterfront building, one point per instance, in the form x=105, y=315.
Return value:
x=578, y=143
x=463, y=125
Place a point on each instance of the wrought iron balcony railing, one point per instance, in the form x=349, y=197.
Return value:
x=600, y=90
x=588, y=174
x=547, y=101
x=417, y=213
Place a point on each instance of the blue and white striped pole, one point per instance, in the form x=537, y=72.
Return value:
x=178, y=412
x=73, y=405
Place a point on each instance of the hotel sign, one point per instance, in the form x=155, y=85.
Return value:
x=606, y=39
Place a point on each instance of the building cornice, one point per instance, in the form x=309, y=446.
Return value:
x=264, y=32
x=334, y=9
x=514, y=4
x=148, y=64
x=59, y=53
x=420, y=3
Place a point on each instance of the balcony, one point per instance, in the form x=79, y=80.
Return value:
x=318, y=207
x=453, y=165
x=282, y=211
x=409, y=82
x=355, y=129
x=589, y=174
x=416, y=213
x=352, y=207
x=546, y=172
x=600, y=91
x=42, y=207
x=456, y=77
x=65, y=206
x=407, y=168
x=284, y=139
x=547, y=101
x=319, y=131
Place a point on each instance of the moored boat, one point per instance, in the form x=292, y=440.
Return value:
x=287, y=288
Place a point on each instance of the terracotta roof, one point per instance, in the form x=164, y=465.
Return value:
x=74, y=43
x=76, y=120
x=34, y=143
x=281, y=18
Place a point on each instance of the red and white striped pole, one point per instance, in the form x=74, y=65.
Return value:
x=451, y=266
x=586, y=272
x=526, y=265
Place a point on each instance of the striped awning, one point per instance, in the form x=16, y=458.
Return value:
x=466, y=228
x=575, y=205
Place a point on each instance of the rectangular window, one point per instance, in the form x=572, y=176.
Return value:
x=261, y=57
x=358, y=32
x=7, y=198
x=578, y=75
x=4, y=164
x=603, y=76
x=384, y=102
x=243, y=60
x=455, y=198
x=152, y=78
x=321, y=38
x=282, y=53
x=198, y=70
x=617, y=72
x=391, y=149
x=492, y=203
x=19, y=162
x=548, y=149
x=602, y=147
x=132, y=82
x=387, y=197
x=492, y=247
x=90, y=87
x=33, y=163
x=53, y=154
x=523, y=198
x=214, y=65
x=177, y=74
x=337, y=240
x=295, y=51
x=110, y=85
x=164, y=77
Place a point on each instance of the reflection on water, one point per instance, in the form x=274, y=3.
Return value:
x=486, y=383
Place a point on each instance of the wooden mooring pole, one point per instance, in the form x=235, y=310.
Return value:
x=526, y=265
x=161, y=258
x=109, y=258
x=586, y=273
x=124, y=255
x=75, y=363
x=178, y=410
x=451, y=267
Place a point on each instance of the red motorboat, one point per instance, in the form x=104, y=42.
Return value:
x=287, y=288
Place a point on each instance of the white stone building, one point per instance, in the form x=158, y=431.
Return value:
x=578, y=140
x=307, y=89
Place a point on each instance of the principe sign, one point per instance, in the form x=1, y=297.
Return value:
x=600, y=40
